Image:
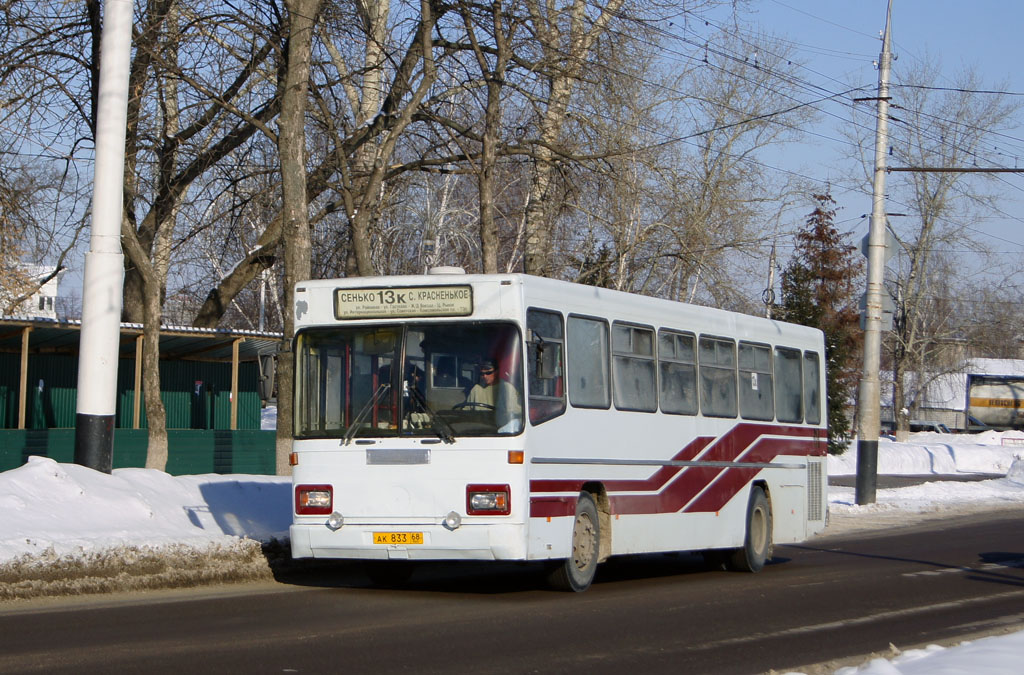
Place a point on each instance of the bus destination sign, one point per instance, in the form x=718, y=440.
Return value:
x=392, y=303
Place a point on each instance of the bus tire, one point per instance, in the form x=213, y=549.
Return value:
x=576, y=572
x=757, y=543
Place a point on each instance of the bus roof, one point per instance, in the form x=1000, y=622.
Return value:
x=579, y=298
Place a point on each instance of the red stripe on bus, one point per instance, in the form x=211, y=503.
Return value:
x=674, y=488
x=552, y=507
x=653, y=482
x=711, y=487
x=734, y=479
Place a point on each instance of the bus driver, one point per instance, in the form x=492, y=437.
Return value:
x=494, y=393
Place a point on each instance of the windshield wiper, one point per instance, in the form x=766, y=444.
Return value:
x=440, y=426
x=377, y=396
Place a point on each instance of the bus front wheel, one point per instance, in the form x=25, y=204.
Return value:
x=757, y=544
x=577, y=571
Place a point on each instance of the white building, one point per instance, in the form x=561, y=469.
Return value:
x=43, y=303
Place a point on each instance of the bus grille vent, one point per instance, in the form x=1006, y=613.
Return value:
x=814, y=496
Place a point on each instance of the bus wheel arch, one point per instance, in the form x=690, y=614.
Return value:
x=758, y=541
x=576, y=572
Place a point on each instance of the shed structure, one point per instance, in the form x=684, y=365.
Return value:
x=214, y=383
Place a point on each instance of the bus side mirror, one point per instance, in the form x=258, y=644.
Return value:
x=547, y=361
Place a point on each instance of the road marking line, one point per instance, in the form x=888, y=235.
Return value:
x=987, y=567
x=870, y=618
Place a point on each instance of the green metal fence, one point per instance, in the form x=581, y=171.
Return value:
x=196, y=394
x=190, y=451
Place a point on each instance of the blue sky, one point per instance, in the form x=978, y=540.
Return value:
x=838, y=41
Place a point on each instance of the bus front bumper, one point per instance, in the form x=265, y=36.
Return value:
x=490, y=541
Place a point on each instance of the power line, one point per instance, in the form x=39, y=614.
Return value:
x=996, y=92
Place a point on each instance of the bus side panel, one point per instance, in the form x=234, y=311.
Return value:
x=787, y=496
x=668, y=508
x=680, y=531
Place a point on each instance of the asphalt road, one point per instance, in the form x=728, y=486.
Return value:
x=831, y=599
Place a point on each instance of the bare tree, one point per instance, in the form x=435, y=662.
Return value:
x=989, y=316
x=493, y=63
x=223, y=108
x=939, y=127
x=368, y=84
x=302, y=17
x=152, y=268
x=43, y=194
x=565, y=32
x=676, y=204
x=17, y=190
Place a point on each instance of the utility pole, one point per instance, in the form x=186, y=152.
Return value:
x=768, y=296
x=868, y=408
x=104, y=263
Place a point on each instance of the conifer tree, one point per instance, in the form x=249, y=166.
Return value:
x=819, y=290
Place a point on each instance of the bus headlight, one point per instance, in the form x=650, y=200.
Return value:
x=488, y=500
x=314, y=500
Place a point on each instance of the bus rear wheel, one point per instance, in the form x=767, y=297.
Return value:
x=757, y=544
x=576, y=572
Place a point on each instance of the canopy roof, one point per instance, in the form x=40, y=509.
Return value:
x=176, y=342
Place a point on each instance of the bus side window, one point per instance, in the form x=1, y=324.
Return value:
x=545, y=371
x=677, y=365
x=633, y=381
x=757, y=398
x=812, y=387
x=717, y=358
x=588, y=362
x=788, y=385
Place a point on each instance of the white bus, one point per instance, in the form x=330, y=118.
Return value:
x=509, y=417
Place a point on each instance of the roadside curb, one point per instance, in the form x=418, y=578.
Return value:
x=132, y=568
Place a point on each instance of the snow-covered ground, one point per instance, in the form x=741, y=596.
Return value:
x=988, y=454
x=64, y=520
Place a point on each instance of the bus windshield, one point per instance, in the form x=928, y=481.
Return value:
x=432, y=379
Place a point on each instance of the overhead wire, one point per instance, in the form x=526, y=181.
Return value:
x=806, y=85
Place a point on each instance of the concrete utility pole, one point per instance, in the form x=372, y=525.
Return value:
x=868, y=408
x=104, y=267
x=768, y=296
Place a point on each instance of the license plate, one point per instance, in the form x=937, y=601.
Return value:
x=398, y=538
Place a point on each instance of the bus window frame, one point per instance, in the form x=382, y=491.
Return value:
x=673, y=360
x=546, y=411
x=704, y=405
x=778, y=390
x=819, y=403
x=747, y=415
x=653, y=359
x=605, y=362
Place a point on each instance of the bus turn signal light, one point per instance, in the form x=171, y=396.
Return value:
x=515, y=456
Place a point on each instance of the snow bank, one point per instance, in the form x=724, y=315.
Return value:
x=941, y=454
x=49, y=509
x=987, y=656
x=1016, y=473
